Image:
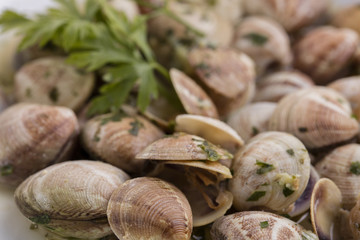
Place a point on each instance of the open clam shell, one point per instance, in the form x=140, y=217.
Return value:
x=182, y=146
x=149, y=208
x=256, y=225
x=33, y=137
x=70, y=198
x=227, y=76
x=325, y=207
x=193, y=98
x=216, y=131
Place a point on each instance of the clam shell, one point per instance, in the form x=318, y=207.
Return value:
x=227, y=76
x=251, y=119
x=182, y=146
x=216, y=131
x=342, y=166
x=325, y=207
x=51, y=81
x=33, y=137
x=193, y=98
x=292, y=15
x=350, y=88
x=256, y=225
x=348, y=18
x=354, y=220
x=116, y=139
x=265, y=41
x=149, y=208
x=275, y=86
x=70, y=198
x=318, y=116
x=326, y=61
x=270, y=171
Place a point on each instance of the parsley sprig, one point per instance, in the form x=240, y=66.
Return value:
x=96, y=38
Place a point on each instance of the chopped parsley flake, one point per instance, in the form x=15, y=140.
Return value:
x=256, y=196
x=290, y=152
x=264, y=224
x=287, y=191
x=256, y=38
x=264, y=167
x=136, y=125
x=255, y=131
x=211, y=154
x=355, y=168
x=7, y=170
x=41, y=219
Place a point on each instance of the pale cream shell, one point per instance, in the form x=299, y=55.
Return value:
x=348, y=17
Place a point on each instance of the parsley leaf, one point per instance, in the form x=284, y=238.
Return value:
x=355, y=168
x=264, y=224
x=256, y=196
x=264, y=167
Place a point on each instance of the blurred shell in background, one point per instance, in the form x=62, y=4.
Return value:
x=348, y=18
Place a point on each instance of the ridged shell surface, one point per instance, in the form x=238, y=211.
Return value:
x=355, y=220
x=151, y=209
x=270, y=171
x=71, y=198
x=32, y=137
x=318, y=116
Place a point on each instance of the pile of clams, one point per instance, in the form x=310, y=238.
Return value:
x=265, y=144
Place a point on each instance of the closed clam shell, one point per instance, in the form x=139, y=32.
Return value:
x=329, y=60
x=116, y=139
x=192, y=96
x=350, y=88
x=265, y=41
x=182, y=146
x=216, y=131
x=348, y=17
x=71, y=198
x=318, y=116
x=270, y=171
x=251, y=119
x=33, y=137
x=227, y=76
x=292, y=15
x=256, y=225
x=325, y=207
x=275, y=86
x=51, y=81
x=354, y=220
x=342, y=166
x=149, y=208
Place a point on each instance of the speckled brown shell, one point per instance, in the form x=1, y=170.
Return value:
x=251, y=119
x=355, y=220
x=117, y=140
x=33, y=137
x=275, y=86
x=325, y=53
x=350, y=88
x=216, y=131
x=275, y=48
x=292, y=14
x=318, y=116
x=192, y=96
x=256, y=225
x=348, y=18
x=227, y=76
x=149, y=208
x=51, y=81
x=336, y=166
x=290, y=170
x=71, y=198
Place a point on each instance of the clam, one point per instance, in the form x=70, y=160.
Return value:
x=33, y=137
x=350, y=88
x=70, y=198
x=149, y=208
x=227, y=76
x=216, y=131
x=51, y=81
x=275, y=86
x=355, y=220
x=325, y=53
x=251, y=119
x=116, y=139
x=348, y=18
x=254, y=225
x=318, y=116
x=292, y=15
x=265, y=41
x=271, y=171
x=342, y=166
x=192, y=96
x=325, y=208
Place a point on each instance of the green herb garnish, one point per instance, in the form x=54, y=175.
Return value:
x=34, y=226
x=290, y=152
x=28, y=93
x=264, y=167
x=255, y=131
x=264, y=224
x=355, y=168
x=41, y=219
x=256, y=196
x=54, y=94
x=211, y=154
x=7, y=170
x=287, y=191
x=136, y=125
x=256, y=38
